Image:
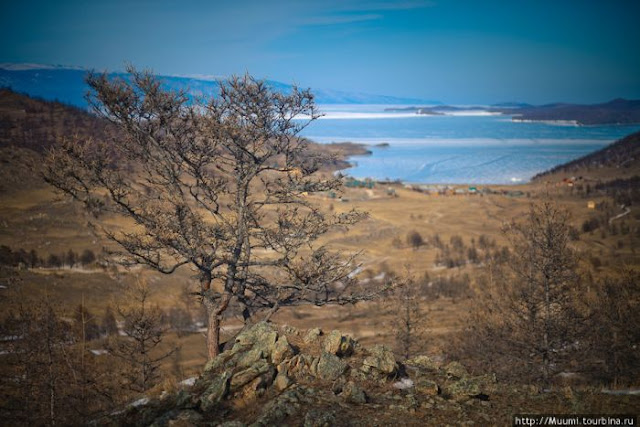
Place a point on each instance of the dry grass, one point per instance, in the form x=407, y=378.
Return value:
x=39, y=219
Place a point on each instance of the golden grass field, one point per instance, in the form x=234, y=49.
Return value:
x=38, y=218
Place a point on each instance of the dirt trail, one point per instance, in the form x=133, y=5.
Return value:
x=626, y=212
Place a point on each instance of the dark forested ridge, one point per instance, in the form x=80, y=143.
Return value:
x=617, y=111
x=622, y=154
x=37, y=124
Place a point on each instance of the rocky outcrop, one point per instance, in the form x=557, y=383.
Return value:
x=279, y=376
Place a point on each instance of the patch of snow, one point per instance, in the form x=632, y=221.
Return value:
x=189, y=382
x=140, y=402
x=404, y=384
x=380, y=276
x=3, y=287
x=355, y=272
x=99, y=352
x=631, y=392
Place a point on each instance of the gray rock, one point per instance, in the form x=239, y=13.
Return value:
x=312, y=336
x=464, y=388
x=354, y=394
x=245, y=376
x=261, y=336
x=456, y=370
x=255, y=388
x=338, y=344
x=423, y=362
x=249, y=358
x=319, y=418
x=281, y=350
x=426, y=387
x=282, y=381
x=330, y=367
x=277, y=410
x=186, y=418
x=290, y=330
x=221, y=361
x=381, y=359
x=216, y=391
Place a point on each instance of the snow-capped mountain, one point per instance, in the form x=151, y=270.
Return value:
x=67, y=84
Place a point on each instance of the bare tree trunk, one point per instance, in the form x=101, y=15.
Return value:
x=214, y=313
x=271, y=312
x=546, y=362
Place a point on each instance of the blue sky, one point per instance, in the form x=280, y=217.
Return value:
x=456, y=51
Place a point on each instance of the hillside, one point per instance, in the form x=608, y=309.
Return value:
x=273, y=375
x=68, y=85
x=30, y=126
x=37, y=124
x=620, y=159
x=617, y=111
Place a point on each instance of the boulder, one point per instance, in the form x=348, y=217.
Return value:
x=464, y=389
x=186, y=418
x=246, y=359
x=276, y=411
x=330, y=367
x=353, y=394
x=245, y=376
x=426, y=387
x=301, y=365
x=222, y=361
x=282, y=381
x=281, y=350
x=217, y=390
x=423, y=362
x=261, y=336
x=339, y=344
x=312, y=336
x=381, y=359
x=319, y=418
x=456, y=370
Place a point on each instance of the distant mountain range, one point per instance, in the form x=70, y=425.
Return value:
x=66, y=84
x=618, y=111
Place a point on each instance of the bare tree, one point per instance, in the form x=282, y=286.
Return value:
x=48, y=377
x=525, y=320
x=222, y=185
x=144, y=331
x=109, y=325
x=615, y=328
x=408, y=318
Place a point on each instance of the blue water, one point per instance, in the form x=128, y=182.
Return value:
x=469, y=149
